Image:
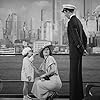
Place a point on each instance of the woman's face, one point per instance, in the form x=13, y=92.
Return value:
x=46, y=52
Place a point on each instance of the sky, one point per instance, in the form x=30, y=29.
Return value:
x=32, y=8
x=26, y=9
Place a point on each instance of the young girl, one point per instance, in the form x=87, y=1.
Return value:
x=27, y=73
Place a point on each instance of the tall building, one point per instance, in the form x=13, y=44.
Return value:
x=92, y=25
x=57, y=24
x=42, y=24
x=48, y=35
x=98, y=32
x=1, y=30
x=32, y=33
x=64, y=33
x=9, y=26
x=14, y=27
x=26, y=30
x=19, y=28
x=38, y=34
x=98, y=24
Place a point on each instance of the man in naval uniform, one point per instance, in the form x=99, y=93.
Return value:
x=77, y=47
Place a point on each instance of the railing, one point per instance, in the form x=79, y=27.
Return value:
x=21, y=95
x=6, y=95
x=88, y=86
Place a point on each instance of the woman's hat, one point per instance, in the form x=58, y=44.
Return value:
x=47, y=46
x=26, y=50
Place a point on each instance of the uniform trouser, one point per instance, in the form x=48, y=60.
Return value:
x=76, y=85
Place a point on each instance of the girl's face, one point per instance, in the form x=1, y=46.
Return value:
x=30, y=53
x=46, y=52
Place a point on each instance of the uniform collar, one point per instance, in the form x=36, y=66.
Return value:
x=72, y=16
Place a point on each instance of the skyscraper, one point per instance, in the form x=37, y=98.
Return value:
x=1, y=30
x=8, y=26
x=57, y=33
x=14, y=27
x=48, y=35
x=32, y=32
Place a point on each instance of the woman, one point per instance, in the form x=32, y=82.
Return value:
x=44, y=86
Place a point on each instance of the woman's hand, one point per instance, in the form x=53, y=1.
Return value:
x=36, y=70
x=42, y=79
x=39, y=78
x=41, y=72
x=43, y=75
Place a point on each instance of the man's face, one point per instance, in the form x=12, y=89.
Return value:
x=67, y=14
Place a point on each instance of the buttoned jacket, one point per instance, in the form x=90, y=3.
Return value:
x=76, y=35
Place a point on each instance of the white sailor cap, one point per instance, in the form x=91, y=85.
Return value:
x=68, y=6
x=26, y=50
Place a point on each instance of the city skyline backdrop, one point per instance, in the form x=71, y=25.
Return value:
x=32, y=8
x=17, y=15
x=26, y=9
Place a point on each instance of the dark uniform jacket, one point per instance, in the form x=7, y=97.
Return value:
x=76, y=34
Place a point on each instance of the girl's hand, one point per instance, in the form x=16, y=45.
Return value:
x=37, y=78
x=35, y=53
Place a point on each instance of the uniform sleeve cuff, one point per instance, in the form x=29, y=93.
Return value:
x=78, y=46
